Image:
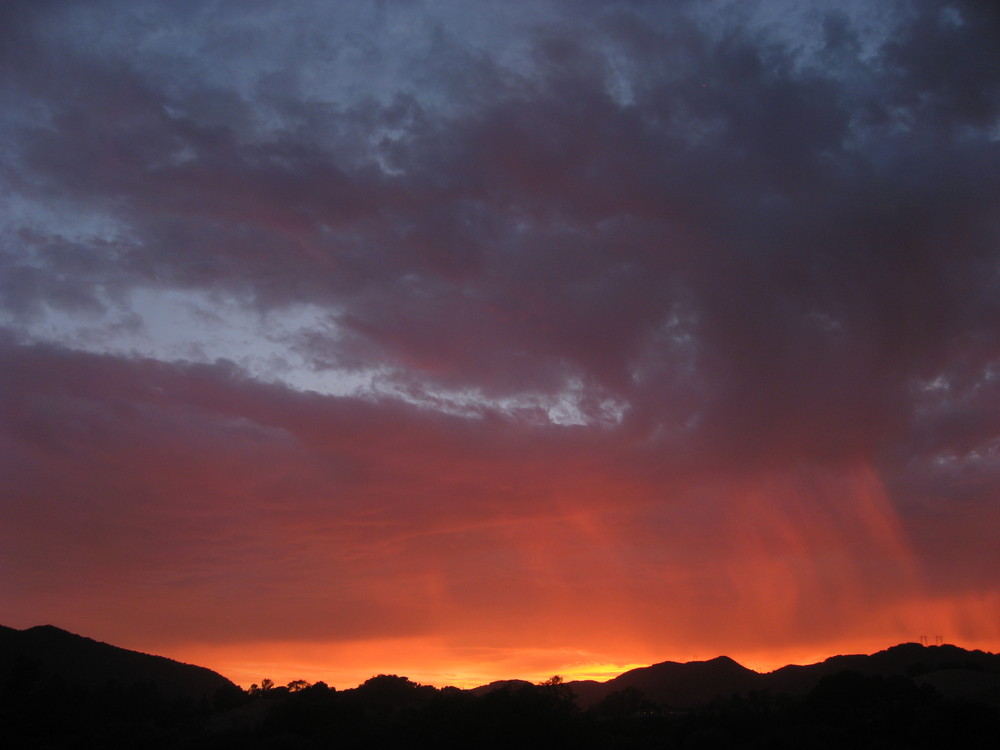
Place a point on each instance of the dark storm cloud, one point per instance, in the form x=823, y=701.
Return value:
x=824, y=223
x=947, y=62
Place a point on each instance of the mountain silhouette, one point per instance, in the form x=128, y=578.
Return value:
x=60, y=690
x=30, y=658
x=676, y=684
x=954, y=672
x=33, y=657
x=500, y=685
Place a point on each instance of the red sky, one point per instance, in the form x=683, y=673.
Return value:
x=469, y=343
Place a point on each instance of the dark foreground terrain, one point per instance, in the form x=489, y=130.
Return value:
x=909, y=696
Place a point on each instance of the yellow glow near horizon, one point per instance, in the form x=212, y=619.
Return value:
x=427, y=662
x=345, y=668
x=424, y=661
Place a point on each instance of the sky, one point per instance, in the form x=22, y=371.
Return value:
x=469, y=341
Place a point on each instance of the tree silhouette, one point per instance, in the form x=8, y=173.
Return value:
x=266, y=686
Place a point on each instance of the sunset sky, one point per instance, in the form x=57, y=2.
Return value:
x=477, y=340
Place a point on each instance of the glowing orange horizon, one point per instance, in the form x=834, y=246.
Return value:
x=250, y=666
x=597, y=577
x=431, y=661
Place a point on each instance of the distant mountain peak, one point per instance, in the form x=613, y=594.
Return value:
x=49, y=629
x=726, y=661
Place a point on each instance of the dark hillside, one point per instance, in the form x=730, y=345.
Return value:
x=674, y=684
x=954, y=671
x=32, y=658
x=64, y=691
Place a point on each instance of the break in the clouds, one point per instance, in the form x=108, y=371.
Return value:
x=514, y=335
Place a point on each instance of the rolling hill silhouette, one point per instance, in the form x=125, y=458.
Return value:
x=674, y=683
x=35, y=656
x=952, y=671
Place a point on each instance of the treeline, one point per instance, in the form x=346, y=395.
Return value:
x=846, y=710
